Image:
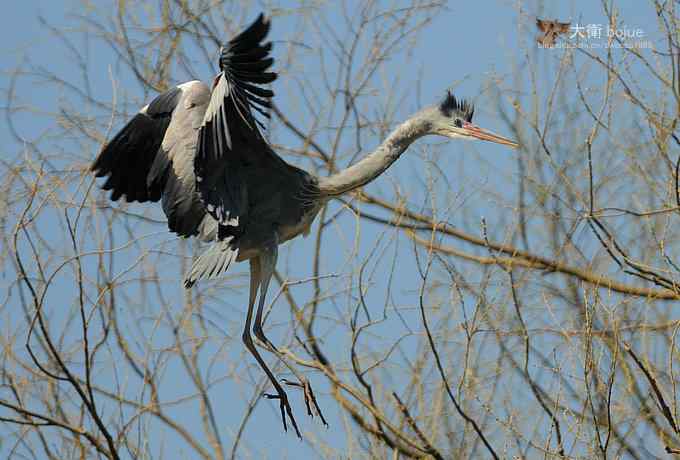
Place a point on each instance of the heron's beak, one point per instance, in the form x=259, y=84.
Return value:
x=475, y=131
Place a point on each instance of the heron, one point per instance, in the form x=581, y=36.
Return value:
x=200, y=151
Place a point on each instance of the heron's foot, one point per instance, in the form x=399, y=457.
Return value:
x=310, y=399
x=285, y=408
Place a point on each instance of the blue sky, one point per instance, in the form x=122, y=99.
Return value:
x=465, y=48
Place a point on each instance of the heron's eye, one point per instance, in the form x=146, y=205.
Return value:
x=458, y=123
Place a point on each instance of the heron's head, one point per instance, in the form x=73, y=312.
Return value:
x=453, y=119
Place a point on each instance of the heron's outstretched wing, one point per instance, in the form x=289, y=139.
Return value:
x=240, y=179
x=230, y=143
x=128, y=157
x=152, y=157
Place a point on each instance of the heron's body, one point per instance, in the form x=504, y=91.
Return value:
x=280, y=200
x=199, y=150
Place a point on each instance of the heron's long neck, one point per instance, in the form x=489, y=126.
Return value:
x=375, y=163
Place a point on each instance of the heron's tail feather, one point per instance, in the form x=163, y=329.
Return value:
x=212, y=263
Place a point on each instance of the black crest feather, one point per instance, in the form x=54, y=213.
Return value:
x=451, y=106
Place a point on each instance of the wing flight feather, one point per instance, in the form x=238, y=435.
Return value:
x=230, y=138
x=127, y=159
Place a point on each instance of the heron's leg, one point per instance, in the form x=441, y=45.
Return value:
x=267, y=261
x=255, y=277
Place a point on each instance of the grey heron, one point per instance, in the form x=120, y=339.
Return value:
x=200, y=151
